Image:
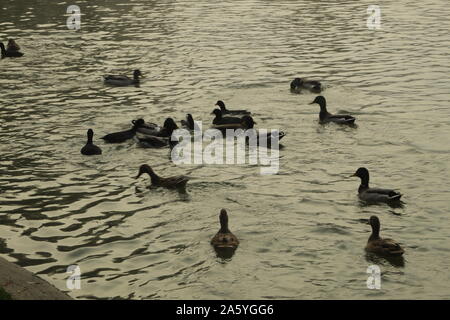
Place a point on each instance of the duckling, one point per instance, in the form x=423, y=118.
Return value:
x=118, y=137
x=375, y=244
x=374, y=194
x=121, y=80
x=224, y=110
x=326, y=117
x=90, y=148
x=176, y=182
x=298, y=84
x=9, y=53
x=219, y=119
x=224, y=238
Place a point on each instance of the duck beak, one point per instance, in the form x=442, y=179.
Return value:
x=312, y=102
x=353, y=175
x=139, y=174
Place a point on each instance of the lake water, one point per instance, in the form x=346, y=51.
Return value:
x=302, y=231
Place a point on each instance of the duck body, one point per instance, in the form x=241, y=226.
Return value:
x=122, y=136
x=261, y=139
x=326, y=117
x=368, y=194
x=380, y=246
x=299, y=84
x=221, y=120
x=10, y=52
x=90, y=148
x=224, y=238
x=175, y=182
x=225, y=111
x=153, y=142
x=122, y=80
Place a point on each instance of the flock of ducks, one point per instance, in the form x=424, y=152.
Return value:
x=153, y=136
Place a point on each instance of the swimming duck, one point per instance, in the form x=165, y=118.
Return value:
x=176, y=182
x=248, y=124
x=118, y=137
x=145, y=127
x=189, y=122
x=326, y=117
x=373, y=194
x=220, y=119
x=9, y=53
x=298, y=84
x=224, y=238
x=375, y=244
x=90, y=148
x=121, y=80
x=224, y=110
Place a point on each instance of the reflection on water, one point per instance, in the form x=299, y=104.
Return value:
x=300, y=231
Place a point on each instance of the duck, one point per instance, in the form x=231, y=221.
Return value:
x=373, y=194
x=326, y=117
x=121, y=80
x=122, y=136
x=10, y=52
x=248, y=124
x=312, y=85
x=380, y=246
x=189, y=123
x=153, y=142
x=90, y=148
x=220, y=119
x=175, y=182
x=224, y=110
x=224, y=238
x=146, y=127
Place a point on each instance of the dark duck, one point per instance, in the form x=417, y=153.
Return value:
x=221, y=120
x=298, y=84
x=122, y=80
x=326, y=117
x=175, y=182
x=11, y=51
x=261, y=139
x=122, y=136
x=224, y=242
x=368, y=194
x=90, y=148
x=224, y=110
x=380, y=246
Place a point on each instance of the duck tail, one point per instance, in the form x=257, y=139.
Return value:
x=395, y=197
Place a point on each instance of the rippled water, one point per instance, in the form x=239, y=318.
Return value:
x=302, y=231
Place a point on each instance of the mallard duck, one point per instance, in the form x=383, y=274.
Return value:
x=90, y=148
x=176, y=182
x=118, y=137
x=224, y=238
x=224, y=110
x=220, y=119
x=374, y=194
x=189, y=122
x=375, y=244
x=146, y=128
x=298, y=84
x=9, y=53
x=121, y=80
x=326, y=117
x=248, y=124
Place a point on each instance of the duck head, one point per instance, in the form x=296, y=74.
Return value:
x=223, y=218
x=248, y=122
x=297, y=82
x=375, y=224
x=221, y=105
x=145, y=168
x=170, y=124
x=190, y=121
x=138, y=123
x=137, y=73
x=320, y=100
x=90, y=135
x=363, y=174
x=218, y=113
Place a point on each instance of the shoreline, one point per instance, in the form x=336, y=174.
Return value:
x=22, y=284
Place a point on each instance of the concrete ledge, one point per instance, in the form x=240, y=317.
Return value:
x=22, y=284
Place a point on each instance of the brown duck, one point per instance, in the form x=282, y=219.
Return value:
x=224, y=238
x=375, y=244
x=170, y=182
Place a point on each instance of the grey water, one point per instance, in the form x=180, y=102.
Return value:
x=302, y=231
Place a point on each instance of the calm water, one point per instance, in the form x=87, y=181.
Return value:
x=302, y=231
